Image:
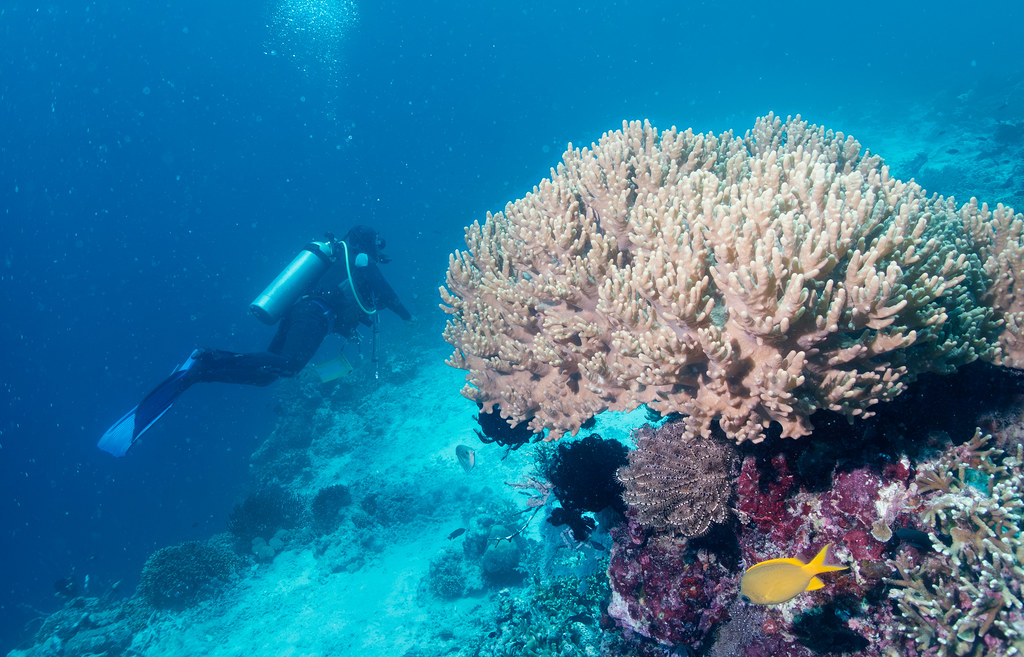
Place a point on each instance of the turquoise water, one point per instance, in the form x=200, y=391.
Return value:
x=161, y=163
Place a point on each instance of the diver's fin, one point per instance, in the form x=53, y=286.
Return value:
x=119, y=437
x=123, y=434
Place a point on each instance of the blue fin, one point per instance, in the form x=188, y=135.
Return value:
x=119, y=437
x=123, y=434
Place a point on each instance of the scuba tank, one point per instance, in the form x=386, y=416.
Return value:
x=297, y=279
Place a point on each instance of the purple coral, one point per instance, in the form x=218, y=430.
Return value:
x=665, y=590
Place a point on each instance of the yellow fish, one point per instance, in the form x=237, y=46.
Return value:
x=777, y=580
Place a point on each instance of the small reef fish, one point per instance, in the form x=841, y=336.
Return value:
x=466, y=456
x=775, y=581
x=458, y=532
x=919, y=539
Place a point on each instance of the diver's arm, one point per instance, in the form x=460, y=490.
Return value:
x=385, y=294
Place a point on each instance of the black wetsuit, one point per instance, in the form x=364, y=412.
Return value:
x=330, y=308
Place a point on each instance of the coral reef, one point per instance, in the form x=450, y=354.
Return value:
x=451, y=576
x=327, y=506
x=390, y=502
x=676, y=482
x=264, y=512
x=928, y=522
x=557, y=612
x=749, y=280
x=963, y=598
x=555, y=616
x=265, y=549
x=854, y=512
x=490, y=556
x=500, y=561
x=665, y=590
x=582, y=474
x=178, y=576
x=89, y=626
x=679, y=590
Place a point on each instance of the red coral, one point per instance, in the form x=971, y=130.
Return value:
x=662, y=590
x=666, y=591
x=853, y=495
x=762, y=499
x=863, y=546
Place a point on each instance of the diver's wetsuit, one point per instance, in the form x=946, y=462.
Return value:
x=332, y=307
x=298, y=337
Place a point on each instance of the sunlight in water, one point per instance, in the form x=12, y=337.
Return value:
x=312, y=32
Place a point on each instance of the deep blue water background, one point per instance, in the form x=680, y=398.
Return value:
x=159, y=163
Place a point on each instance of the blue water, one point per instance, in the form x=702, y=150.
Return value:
x=160, y=162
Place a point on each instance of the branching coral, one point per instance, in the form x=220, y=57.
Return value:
x=177, y=576
x=966, y=598
x=264, y=512
x=327, y=506
x=749, y=279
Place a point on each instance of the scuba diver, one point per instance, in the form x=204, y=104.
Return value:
x=331, y=286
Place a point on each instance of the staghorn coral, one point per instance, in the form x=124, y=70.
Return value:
x=677, y=483
x=749, y=279
x=999, y=239
x=964, y=599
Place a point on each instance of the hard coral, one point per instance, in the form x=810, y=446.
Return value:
x=750, y=280
x=549, y=617
x=499, y=563
x=964, y=598
x=450, y=576
x=264, y=512
x=327, y=506
x=177, y=576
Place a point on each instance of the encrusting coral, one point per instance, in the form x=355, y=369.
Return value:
x=748, y=280
x=965, y=598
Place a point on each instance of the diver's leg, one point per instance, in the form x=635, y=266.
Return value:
x=120, y=437
x=297, y=339
x=308, y=324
